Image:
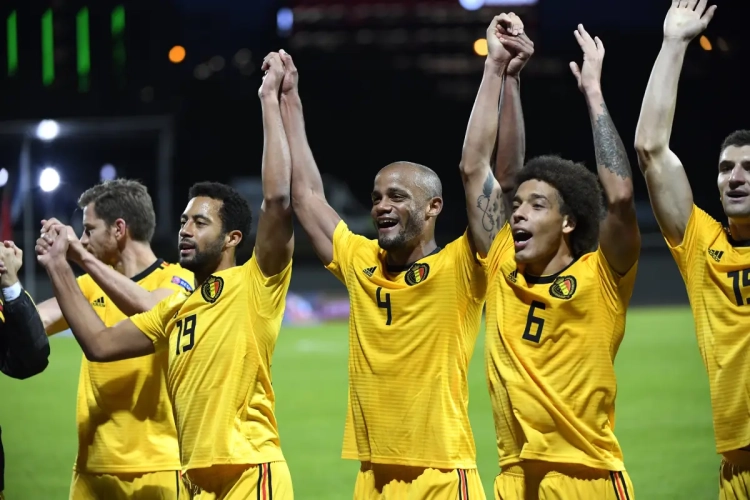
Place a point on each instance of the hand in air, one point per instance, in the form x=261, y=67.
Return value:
x=11, y=259
x=274, y=74
x=521, y=49
x=504, y=25
x=686, y=19
x=291, y=76
x=76, y=250
x=52, y=245
x=589, y=74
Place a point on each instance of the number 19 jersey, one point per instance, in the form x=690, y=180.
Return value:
x=550, y=348
x=411, y=336
x=716, y=271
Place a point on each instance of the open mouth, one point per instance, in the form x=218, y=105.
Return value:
x=186, y=247
x=385, y=224
x=735, y=194
x=521, y=238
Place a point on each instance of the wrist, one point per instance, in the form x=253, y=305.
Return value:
x=269, y=98
x=512, y=78
x=675, y=43
x=12, y=292
x=593, y=94
x=494, y=68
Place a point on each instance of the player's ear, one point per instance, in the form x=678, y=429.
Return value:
x=434, y=207
x=121, y=228
x=569, y=224
x=233, y=239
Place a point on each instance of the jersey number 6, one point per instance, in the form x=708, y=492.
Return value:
x=185, y=328
x=534, y=322
x=384, y=304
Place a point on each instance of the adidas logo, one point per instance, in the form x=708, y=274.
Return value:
x=513, y=276
x=715, y=254
x=98, y=302
x=370, y=271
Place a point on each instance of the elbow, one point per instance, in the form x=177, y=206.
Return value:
x=648, y=149
x=621, y=200
x=277, y=201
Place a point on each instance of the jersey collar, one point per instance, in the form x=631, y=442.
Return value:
x=150, y=269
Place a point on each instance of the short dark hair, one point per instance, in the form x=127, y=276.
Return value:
x=235, y=212
x=737, y=138
x=124, y=199
x=580, y=196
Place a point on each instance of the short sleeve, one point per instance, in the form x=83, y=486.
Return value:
x=471, y=272
x=86, y=285
x=701, y=229
x=616, y=288
x=268, y=293
x=153, y=323
x=345, y=245
x=501, y=250
x=178, y=279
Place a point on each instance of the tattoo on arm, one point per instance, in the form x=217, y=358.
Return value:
x=490, y=207
x=610, y=151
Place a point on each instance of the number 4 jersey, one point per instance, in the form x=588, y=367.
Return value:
x=550, y=348
x=716, y=272
x=411, y=336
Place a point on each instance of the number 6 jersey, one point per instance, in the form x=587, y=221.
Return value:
x=716, y=271
x=550, y=348
x=411, y=336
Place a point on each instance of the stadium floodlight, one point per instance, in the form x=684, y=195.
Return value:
x=47, y=130
x=49, y=180
x=3, y=177
x=478, y=4
x=108, y=172
x=285, y=19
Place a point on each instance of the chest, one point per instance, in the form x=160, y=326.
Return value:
x=726, y=275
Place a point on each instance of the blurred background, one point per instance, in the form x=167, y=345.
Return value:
x=166, y=92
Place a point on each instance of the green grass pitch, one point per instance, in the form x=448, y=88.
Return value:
x=663, y=414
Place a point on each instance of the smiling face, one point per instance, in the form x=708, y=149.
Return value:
x=538, y=225
x=202, y=237
x=734, y=182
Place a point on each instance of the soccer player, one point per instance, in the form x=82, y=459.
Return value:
x=127, y=439
x=714, y=260
x=221, y=338
x=560, y=275
x=415, y=314
x=24, y=347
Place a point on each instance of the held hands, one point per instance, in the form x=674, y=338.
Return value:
x=52, y=245
x=686, y=19
x=589, y=74
x=11, y=259
x=76, y=250
x=274, y=75
x=504, y=26
x=521, y=49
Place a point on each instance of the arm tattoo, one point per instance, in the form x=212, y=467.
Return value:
x=610, y=151
x=491, y=219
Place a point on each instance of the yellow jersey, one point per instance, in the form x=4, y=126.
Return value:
x=550, y=348
x=716, y=271
x=123, y=413
x=411, y=336
x=220, y=340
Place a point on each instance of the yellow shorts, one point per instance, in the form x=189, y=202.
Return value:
x=430, y=484
x=546, y=481
x=734, y=477
x=163, y=485
x=269, y=481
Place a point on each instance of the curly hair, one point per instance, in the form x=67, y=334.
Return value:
x=124, y=199
x=580, y=196
x=235, y=212
x=737, y=138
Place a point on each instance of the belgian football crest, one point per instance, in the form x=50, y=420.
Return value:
x=417, y=274
x=563, y=287
x=211, y=289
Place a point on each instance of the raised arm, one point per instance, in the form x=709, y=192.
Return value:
x=484, y=205
x=98, y=342
x=668, y=186
x=317, y=217
x=511, y=138
x=620, y=239
x=274, y=243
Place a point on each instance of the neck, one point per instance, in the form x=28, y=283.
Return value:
x=551, y=265
x=740, y=231
x=135, y=258
x=408, y=255
x=227, y=261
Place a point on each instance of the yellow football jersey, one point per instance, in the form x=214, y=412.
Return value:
x=411, y=336
x=124, y=416
x=716, y=272
x=220, y=341
x=550, y=349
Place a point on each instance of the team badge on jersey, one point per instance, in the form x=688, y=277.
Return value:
x=417, y=274
x=211, y=289
x=563, y=287
x=181, y=282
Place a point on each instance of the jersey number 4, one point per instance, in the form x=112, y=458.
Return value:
x=384, y=304
x=185, y=328
x=534, y=324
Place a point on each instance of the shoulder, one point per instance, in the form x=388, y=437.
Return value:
x=177, y=275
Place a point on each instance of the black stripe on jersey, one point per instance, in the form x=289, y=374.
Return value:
x=546, y=280
x=613, y=478
x=270, y=483
x=177, y=482
x=259, y=489
x=624, y=485
x=150, y=269
x=460, y=485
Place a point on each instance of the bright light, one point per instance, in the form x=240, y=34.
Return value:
x=478, y=4
x=284, y=19
x=49, y=179
x=177, y=54
x=3, y=177
x=108, y=172
x=480, y=47
x=471, y=4
x=705, y=43
x=47, y=130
